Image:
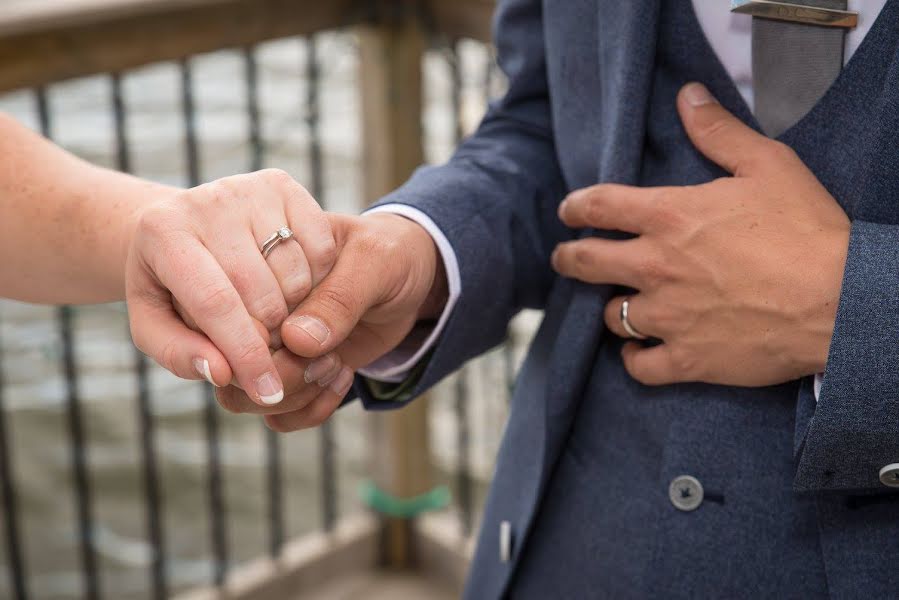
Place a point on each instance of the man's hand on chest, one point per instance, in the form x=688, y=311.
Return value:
x=740, y=277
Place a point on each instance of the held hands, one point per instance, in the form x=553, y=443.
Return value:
x=386, y=278
x=740, y=277
x=205, y=303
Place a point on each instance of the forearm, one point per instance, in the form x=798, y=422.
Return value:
x=65, y=225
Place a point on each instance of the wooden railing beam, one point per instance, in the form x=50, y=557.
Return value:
x=46, y=41
x=104, y=42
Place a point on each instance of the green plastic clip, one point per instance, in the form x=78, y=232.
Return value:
x=404, y=508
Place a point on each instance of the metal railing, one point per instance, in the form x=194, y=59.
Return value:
x=456, y=397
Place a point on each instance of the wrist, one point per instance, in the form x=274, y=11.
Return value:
x=149, y=195
x=438, y=294
x=826, y=286
x=425, y=281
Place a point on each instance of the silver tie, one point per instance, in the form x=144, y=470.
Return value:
x=793, y=65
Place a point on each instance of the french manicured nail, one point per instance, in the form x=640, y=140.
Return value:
x=341, y=385
x=315, y=328
x=201, y=366
x=697, y=94
x=269, y=390
x=320, y=368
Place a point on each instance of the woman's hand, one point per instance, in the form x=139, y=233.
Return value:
x=198, y=286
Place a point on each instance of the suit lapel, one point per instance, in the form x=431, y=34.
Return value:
x=627, y=46
x=627, y=39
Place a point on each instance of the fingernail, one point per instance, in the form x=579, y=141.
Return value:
x=315, y=328
x=341, y=385
x=319, y=368
x=697, y=94
x=269, y=390
x=201, y=366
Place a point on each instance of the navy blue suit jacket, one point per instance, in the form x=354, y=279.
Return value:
x=581, y=74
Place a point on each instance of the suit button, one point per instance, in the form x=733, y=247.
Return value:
x=889, y=475
x=685, y=493
x=505, y=541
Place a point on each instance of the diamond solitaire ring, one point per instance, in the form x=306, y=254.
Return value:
x=283, y=233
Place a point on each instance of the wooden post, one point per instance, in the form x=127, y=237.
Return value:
x=391, y=86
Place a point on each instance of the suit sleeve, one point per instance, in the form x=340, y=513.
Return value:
x=495, y=201
x=853, y=432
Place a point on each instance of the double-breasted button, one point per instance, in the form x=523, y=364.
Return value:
x=505, y=541
x=685, y=493
x=889, y=475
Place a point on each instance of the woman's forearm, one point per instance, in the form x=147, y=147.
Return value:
x=65, y=225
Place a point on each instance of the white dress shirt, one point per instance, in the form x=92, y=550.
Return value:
x=730, y=36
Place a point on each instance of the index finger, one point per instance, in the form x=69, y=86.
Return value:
x=609, y=206
x=198, y=282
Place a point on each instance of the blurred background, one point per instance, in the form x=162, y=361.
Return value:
x=118, y=480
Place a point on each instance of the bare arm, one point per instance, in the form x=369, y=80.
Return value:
x=65, y=225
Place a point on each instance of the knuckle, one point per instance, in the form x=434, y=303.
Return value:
x=221, y=193
x=297, y=288
x=215, y=301
x=668, y=210
x=270, y=310
x=635, y=368
x=582, y=256
x=338, y=296
x=278, y=177
x=716, y=128
x=683, y=361
x=595, y=210
x=325, y=255
x=783, y=151
x=652, y=271
x=225, y=398
x=168, y=354
x=158, y=221
x=251, y=350
x=780, y=154
x=661, y=315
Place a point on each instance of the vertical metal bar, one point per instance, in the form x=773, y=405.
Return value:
x=313, y=124
x=83, y=502
x=456, y=76
x=251, y=72
x=210, y=410
x=463, y=450
x=489, y=75
x=273, y=466
x=146, y=425
x=463, y=437
x=10, y=504
x=509, y=364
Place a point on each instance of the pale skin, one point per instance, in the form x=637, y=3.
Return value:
x=202, y=300
x=739, y=278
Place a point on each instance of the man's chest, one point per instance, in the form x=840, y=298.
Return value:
x=614, y=70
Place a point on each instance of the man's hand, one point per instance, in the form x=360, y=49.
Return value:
x=740, y=278
x=388, y=276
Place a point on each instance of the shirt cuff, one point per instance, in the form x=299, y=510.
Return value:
x=395, y=366
x=817, y=387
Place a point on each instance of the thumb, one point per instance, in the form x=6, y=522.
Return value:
x=333, y=309
x=719, y=135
